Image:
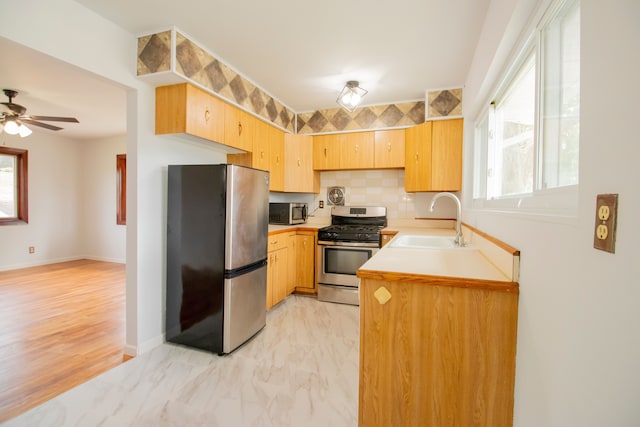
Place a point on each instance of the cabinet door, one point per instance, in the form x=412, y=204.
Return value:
x=326, y=152
x=270, y=273
x=389, y=149
x=356, y=150
x=305, y=260
x=205, y=115
x=446, y=155
x=430, y=350
x=299, y=174
x=238, y=128
x=292, y=261
x=418, y=158
x=183, y=108
x=260, y=150
x=276, y=161
x=281, y=275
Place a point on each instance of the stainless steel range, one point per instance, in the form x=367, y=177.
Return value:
x=352, y=238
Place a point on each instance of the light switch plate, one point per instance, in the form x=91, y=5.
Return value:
x=605, y=227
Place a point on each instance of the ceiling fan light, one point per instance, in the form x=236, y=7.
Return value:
x=24, y=131
x=11, y=127
x=351, y=96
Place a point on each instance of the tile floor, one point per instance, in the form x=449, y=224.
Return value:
x=301, y=370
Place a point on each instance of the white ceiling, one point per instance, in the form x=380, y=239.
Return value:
x=49, y=87
x=301, y=52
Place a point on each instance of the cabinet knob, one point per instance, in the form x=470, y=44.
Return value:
x=298, y=162
x=382, y=295
x=416, y=157
x=356, y=148
x=389, y=147
x=239, y=128
x=207, y=115
x=325, y=151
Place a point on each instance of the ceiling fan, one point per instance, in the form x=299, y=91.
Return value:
x=13, y=120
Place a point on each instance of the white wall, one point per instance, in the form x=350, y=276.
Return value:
x=383, y=187
x=72, y=202
x=101, y=238
x=68, y=31
x=54, y=191
x=578, y=340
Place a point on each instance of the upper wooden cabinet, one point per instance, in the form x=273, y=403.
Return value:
x=433, y=156
x=183, y=108
x=356, y=150
x=239, y=128
x=299, y=176
x=343, y=151
x=389, y=149
x=260, y=146
x=277, y=163
x=326, y=152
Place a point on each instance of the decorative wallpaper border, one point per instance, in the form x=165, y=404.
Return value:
x=172, y=52
x=444, y=103
x=367, y=117
x=193, y=62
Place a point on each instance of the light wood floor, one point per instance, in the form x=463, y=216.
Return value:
x=60, y=325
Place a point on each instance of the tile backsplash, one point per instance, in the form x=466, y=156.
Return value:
x=372, y=188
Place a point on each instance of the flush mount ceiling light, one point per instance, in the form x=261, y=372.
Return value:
x=351, y=96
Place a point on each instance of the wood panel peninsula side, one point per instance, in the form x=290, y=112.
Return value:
x=436, y=350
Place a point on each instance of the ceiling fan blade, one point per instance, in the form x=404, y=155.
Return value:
x=55, y=119
x=42, y=125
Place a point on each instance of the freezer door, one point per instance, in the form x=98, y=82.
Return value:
x=245, y=313
x=247, y=222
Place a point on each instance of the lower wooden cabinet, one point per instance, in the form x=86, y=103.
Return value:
x=278, y=266
x=305, y=262
x=435, y=355
x=290, y=265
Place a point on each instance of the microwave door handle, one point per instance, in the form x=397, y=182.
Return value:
x=304, y=212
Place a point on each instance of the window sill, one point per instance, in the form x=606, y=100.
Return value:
x=555, y=205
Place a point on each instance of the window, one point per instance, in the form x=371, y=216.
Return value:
x=13, y=186
x=527, y=138
x=511, y=136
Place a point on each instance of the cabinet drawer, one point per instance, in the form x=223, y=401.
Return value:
x=278, y=241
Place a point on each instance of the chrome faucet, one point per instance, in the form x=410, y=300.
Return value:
x=459, y=240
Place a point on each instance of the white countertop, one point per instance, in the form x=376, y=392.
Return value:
x=464, y=263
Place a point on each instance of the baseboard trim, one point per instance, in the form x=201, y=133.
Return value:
x=39, y=263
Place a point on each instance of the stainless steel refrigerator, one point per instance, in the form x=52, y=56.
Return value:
x=217, y=226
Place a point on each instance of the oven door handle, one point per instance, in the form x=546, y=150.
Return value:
x=349, y=244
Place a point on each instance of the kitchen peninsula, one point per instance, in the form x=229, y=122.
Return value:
x=438, y=334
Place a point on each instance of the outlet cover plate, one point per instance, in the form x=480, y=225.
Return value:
x=604, y=237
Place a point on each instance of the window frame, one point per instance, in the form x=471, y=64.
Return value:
x=561, y=201
x=22, y=193
x=121, y=189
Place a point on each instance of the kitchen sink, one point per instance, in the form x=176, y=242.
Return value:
x=423, y=242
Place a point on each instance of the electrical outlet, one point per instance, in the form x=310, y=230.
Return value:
x=321, y=205
x=605, y=227
x=32, y=249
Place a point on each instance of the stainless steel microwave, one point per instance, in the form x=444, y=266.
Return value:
x=287, y=213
